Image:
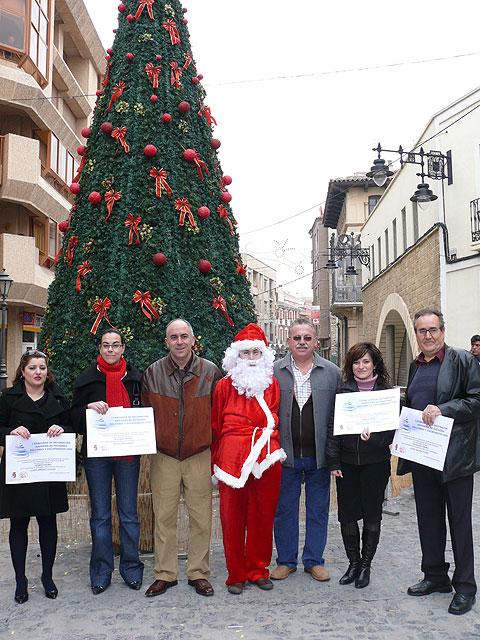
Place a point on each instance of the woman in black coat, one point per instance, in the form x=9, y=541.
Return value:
x=34, y=404
x=111, y=381
x=361, y=466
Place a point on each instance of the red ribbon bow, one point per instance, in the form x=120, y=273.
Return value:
x=240, y=268
x=171, y=27
x=83, y=269
x=181, y=204
x=145, y=301
x=143, y=4
x=224, y=214
x=175, y=74
x=82, y=164
x=207, y=112
x=199, y=164
x=133, y=224
x=160, y=181
x=153, y=73
x=119, y=135
x=72, y=243
x=189, y=61
x=110, y=198
x=110, y=62
x=100, y=307
x=222, y=305
x=117, y=92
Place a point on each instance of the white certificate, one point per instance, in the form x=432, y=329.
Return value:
x=120, y=432
x=377, y=410
x=420, y=443
x=40, y=458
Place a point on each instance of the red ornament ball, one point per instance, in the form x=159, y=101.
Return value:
x=195, y=80
x=153, y=98
x=215, y=143
x=159, y=57
x=185, y=21
x=226, y=197
x=95, y=197
x=75, y=188
x=204, y=212
x=129, y=56
x=204, y=266
x=200, y=76
x=184, y=107
x=150, y=150
x=185, y=9
x=107, y=128
x=86, y=132
x=98, y=93
x=122, y=8
x=130, y=18
x=110, y=51
x=189, y=154
x=166, y=118
x=114, y=30
x=63, y=226
x=81, y=149
x=159, y=259
x=227, y=180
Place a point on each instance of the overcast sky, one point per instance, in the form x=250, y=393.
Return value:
x=284, y=139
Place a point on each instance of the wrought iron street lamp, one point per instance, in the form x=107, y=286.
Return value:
x=347, y=246
x=5, y=284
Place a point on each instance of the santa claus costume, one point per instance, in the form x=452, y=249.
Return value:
x=246, y=456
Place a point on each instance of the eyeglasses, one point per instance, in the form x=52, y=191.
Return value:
x=433, y=331
x=302, y=338
x=115, y=346
x=35, y=352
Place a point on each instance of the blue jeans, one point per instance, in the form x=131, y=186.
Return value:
x=99, y=472
x=317, y=502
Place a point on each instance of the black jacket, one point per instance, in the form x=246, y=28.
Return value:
x=457, y=397
x=91, y=386
x=351, y=448
x=18, y=409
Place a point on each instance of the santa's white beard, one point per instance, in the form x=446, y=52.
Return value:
x=250, y=377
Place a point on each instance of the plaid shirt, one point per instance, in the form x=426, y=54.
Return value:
x=303, y=389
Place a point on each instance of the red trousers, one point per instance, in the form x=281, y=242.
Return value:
x=247, y=522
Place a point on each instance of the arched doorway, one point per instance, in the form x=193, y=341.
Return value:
x=396, y=338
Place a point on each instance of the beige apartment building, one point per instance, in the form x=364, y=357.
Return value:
x=263, y=281
x=51, y=65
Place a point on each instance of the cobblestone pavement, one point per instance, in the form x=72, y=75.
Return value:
x=298, y=608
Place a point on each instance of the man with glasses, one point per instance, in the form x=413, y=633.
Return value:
x=444, y=381
x=180, y=387
x=308, y=384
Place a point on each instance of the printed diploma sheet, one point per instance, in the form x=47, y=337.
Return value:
x=40, y=458
x=120, y=432
x=377, y=410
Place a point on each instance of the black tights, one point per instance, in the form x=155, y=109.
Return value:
x=351, y=528
x=18, y=539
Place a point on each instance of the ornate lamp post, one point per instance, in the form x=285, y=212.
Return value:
x=5, y=284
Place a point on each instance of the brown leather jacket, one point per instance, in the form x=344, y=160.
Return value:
x=182, y=405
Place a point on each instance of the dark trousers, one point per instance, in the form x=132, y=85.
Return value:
x=432, y=498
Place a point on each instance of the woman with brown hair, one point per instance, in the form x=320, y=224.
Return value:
x=33, y=404
x=361, y=466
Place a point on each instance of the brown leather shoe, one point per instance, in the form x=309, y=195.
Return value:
x=282, y=572
x=318, y=572
x=264, y=583
x=202, y=587
x=159, y=587
x=236, y=588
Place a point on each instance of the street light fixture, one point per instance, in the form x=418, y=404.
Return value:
x=439, y=167
x=5, y=284
x=347, y=246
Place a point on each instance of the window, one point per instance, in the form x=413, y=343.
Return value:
x=47, y=241
x=61, y=161
x=39, y=35
x=387, y=249
x=404, y=228
x=394, y=234
x=415, y=221
x=12, y=24
x=379, y=250
x=372, y=259
x=372, y=201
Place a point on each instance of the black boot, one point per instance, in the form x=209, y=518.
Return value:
x=351, y=542
x=369, y=546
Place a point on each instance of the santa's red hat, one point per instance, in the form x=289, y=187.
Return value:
x=250, y=337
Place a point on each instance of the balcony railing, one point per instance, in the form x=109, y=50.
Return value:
x=344, y=294
x=475, y=219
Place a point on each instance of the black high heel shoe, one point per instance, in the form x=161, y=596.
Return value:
x=20, y=598
x=51, y=592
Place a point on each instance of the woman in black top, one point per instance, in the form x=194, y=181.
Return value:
x=34, y=404
x=361, y=466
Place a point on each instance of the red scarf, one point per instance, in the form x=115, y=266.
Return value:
x=117, y=395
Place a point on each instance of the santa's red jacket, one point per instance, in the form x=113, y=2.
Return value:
x=245, y=436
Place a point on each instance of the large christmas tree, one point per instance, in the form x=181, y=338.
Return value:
x=151, y=235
